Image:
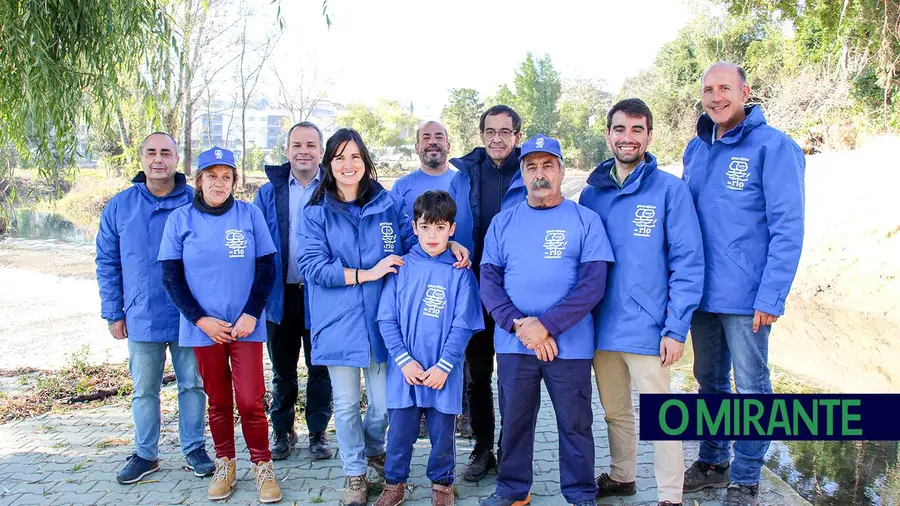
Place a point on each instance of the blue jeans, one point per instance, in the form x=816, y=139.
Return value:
x=359, y=438
x=720, y=341
x=146, y=361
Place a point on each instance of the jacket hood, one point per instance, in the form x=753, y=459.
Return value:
x=381, y=200
x=477, y=156
x=446, y=257
x=140, y=180
x=754, y=119
x=599, y=178
x=278, y=174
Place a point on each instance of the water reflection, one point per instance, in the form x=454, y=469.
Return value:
x=840, y=473
x=36, y=225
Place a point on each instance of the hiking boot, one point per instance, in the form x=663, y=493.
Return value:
x=607, y=486
x=377, y=463
x=702, y=475
x=319, y=447
x=266, y=483
x=742, y=495
x=392, y=495
x=464, y=427
x=199, y=462
x=355, y=493
x=223, y=480
x=442, y=495
x=284, y=443
x=423, y=428
x=499, y=500
x=136, y=468
x=480, y=462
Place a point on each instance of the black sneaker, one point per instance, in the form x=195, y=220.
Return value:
x=199, y=462
x=668, y=503
x=423, y=428
x=136, y=469
x=607, y=487
x=464, y=427
x=480, y=462
x=702, y=475
x=742, y=495
x=319, y=447
x=284, y=443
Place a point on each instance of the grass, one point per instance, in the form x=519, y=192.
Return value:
x=317, y=499
x=79, y=466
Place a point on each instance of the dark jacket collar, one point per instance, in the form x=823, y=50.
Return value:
x=475, y=158
x=599, y=178
x=140, y=180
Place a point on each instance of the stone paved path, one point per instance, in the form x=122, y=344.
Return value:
x=69, y=459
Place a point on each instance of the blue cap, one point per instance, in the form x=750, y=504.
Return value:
x=215, y=156
x=540, y=143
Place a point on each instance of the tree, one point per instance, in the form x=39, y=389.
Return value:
x=582, y=122
x=303, y=91
x=389, y=125
x=460, y=116
x=537, y=90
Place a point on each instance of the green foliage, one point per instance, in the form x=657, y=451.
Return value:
x=387, y=125
x=538, y=88
x=460, y=116
x=256, y=159
x=582, y=123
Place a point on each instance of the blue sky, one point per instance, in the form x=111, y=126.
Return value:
x=417, y=50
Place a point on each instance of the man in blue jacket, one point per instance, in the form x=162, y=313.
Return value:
x=746, y=179
x=543, y=271
x=487, y=181
x=136, y=306
x=652, y=291
x=282, y=200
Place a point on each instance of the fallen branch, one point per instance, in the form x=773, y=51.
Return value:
x=109, y=392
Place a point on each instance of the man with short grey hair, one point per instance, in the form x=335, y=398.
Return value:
x=282, y=199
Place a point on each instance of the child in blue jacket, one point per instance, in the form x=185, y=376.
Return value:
x=427, y=314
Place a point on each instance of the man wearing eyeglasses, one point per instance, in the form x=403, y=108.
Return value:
x=487, y=182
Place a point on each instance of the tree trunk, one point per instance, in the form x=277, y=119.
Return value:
x=244, y=144
x=188, y=99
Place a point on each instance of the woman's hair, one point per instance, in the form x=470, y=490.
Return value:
x=198, y=179
x=333, y=148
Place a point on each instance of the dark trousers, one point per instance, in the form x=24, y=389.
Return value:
x=402, y=435
x=285, y=341
x=569, y=385
x=238, y=365
x=479, y=387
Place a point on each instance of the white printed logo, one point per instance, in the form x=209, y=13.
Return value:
x=435, y=300
x=738, y=173
x=236, y=243
x=388, y=236
x=554, y=244
x=644, y=220
x=218, y=154
x=539, y=143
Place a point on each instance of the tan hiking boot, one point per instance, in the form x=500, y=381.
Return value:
x=355, y=492
x=442, y=495
x=223, y=480
x=266, y=483
x=392, y=495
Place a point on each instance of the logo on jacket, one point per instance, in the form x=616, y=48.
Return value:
x=388, y=236
x=738, y=173
x=435, y=300
x=644, y=220
x=554, y=244
x=236, y=243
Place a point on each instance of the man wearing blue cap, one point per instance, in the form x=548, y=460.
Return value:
x=542, y=272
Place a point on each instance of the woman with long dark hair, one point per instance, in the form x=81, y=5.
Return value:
x=353, y=232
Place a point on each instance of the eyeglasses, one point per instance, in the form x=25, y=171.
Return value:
x=505, y=133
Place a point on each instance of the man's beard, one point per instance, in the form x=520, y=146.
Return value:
x=435, y=162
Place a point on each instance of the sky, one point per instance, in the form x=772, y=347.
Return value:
x=410, y=50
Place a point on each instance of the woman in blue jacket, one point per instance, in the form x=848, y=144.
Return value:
x=353, y=232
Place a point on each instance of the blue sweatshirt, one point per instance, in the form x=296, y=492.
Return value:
x=414, y=184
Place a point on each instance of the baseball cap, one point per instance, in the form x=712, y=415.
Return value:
x=540, y=143
x=215, y=156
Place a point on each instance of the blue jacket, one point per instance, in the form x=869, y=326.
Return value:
x=273, y=198
x=656, y=283
x=464, y=192
x=344, y=318
x=128, y=272
x=749, y=194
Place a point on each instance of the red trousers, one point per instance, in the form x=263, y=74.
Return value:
x=237, y=365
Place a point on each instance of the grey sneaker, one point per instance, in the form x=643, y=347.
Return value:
x=702, y=475
x=742, y=495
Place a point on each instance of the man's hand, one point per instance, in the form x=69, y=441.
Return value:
x=117, y=329
x=413, y=372
x=243, y=327
x=217, y=330
x=761, y=319
x=546, y=350
x=461, y=254
x=670, y=351
x=434, y=378
x=530, y=331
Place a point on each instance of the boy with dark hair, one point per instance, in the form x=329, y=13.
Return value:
x=428, y=312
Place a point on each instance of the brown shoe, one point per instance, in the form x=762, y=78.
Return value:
x=355, y=491
x=442, y=495
x=392, y=495
x=266, y=483
x=377, y=463
x=223, y=480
